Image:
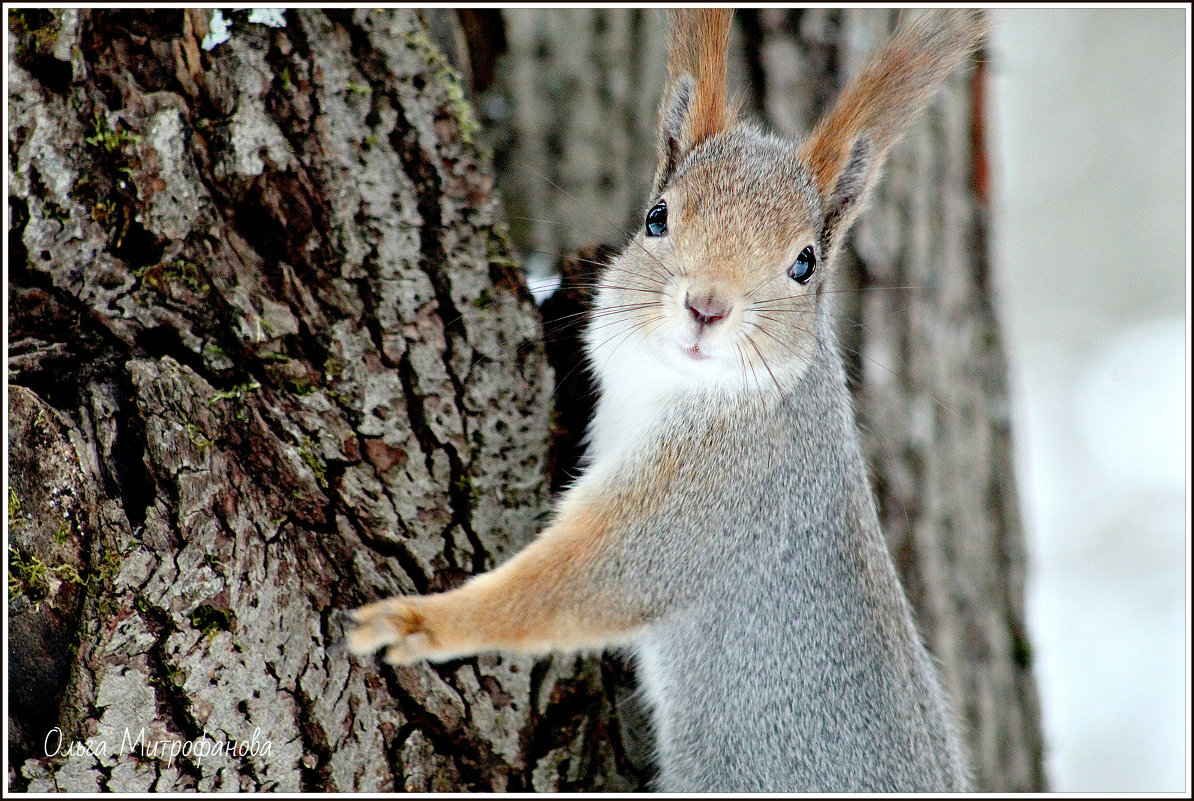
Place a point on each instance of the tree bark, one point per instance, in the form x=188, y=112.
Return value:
x=574, y=103
x=269, y=359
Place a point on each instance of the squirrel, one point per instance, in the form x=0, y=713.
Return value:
x=723, y=527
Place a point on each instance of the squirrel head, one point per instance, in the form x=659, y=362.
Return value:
x=725, y=281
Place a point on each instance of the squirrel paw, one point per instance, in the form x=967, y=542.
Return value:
x=394, y=624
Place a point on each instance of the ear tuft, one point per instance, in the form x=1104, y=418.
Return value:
x=697, y=43
x=845, y=152
x=694, y=105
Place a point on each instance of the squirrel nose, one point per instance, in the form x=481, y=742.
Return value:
x=706, y=308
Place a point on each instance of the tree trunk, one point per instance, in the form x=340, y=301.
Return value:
x=574, y=105
x=269, y=359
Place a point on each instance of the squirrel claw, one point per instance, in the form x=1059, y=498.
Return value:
x=409, y=649
x=393, y=623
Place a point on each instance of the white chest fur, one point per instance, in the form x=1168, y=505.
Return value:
x=636, y=392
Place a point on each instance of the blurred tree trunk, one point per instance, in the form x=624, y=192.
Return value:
x=269, y=359
x=572, y=109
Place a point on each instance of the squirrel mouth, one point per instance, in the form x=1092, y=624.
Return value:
x=695, y=352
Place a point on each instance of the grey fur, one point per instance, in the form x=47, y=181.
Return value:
x=784, y=657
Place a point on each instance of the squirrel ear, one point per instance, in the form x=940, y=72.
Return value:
x=846, y=150
x=694, y=105
x=844, y=203
x=673, y=139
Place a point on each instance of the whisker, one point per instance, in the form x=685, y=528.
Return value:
x=597, y=348
x=904, y=380
x=761, y=282
x=754, y=373
x=787, y=346
x=907, y=382
x=742, y=363
x=651, y=280
x=581, y=363
x=548, y=329
x=608, y=324
x=614, y=286
x=622, y=307
x=538, y=220
x=767, y=366
x=603, y=217
x=783, y=344
x=802, y=295
x=604, y=312
x=635, y=326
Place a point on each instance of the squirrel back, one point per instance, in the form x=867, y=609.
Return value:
x=723, y=526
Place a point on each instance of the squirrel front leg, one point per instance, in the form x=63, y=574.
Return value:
x=545, y=597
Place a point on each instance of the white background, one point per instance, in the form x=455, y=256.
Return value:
x=1088, y=114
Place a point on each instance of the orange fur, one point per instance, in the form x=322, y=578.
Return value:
x=539, y=600
x=697, y=44
x=884, y=98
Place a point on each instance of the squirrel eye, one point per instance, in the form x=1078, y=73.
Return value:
x=657, y=220
x=802, y=269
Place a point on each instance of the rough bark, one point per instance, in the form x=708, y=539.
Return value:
x=269, y=359
x=567, y=123
x=575, y=100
